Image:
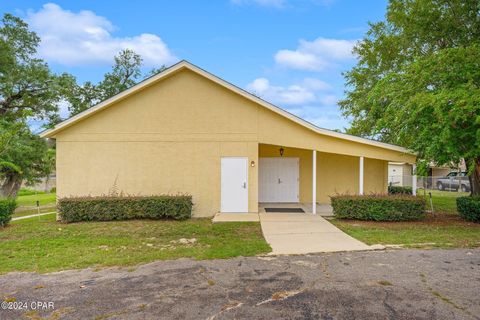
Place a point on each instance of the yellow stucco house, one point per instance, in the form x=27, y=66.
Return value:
x=185, y=130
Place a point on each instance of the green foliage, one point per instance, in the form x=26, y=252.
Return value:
x=399, y=190
x=25, y=160
x=28, y=90
x=126, y=72
x=107, y=208
x=417, y=81
x=27, y=86
x=378, y=207
x=469, y=208
x=7, y=208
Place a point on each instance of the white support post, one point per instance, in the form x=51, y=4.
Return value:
x=360, y=180
x=414, y=179
x=314, y=182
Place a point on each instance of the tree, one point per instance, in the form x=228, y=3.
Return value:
x=27, y=86
x=25, y=160
x=126, y=72
x=28, y=90
x=417, y=81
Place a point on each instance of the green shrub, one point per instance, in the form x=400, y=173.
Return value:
x=399, y=190
x=104, y=208
x=7, y=208
x=469, y=208
x=379, y=207
x=53, y=190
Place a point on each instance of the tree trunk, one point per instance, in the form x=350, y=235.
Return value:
x=475, y=178
x=10, y=185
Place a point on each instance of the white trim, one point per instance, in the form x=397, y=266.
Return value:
x=361, y=180
x=187, y=65
x=414, y=179
x=314, y=181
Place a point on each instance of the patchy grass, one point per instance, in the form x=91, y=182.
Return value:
x=445, y=230
x=43, y=245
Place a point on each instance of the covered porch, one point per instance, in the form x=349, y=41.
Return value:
x=291, y=177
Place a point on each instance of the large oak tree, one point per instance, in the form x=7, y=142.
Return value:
x=417, y=81
x=28, y=91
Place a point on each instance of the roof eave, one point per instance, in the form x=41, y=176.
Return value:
x=50, y=133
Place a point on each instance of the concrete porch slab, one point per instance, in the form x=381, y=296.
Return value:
x=236, y=217
x=322, y=209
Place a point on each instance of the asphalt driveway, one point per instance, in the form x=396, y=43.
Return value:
x=405, y=284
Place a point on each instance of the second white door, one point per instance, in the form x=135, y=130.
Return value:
x=278, y=179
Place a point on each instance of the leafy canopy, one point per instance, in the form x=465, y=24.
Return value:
x=125, y=73
x=27, y=86
x=417, y=80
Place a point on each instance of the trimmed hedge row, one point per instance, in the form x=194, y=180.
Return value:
x=469, y=208
x=73, y=209
x=378, y=207
x=399, y=190
x=7, y=208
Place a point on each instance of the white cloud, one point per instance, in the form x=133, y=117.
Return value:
x=263, y=3
x=310, y=99
x=316, y=55
x=84, y=38
x=307, y=91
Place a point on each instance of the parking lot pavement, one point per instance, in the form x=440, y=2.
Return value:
x=403, y=284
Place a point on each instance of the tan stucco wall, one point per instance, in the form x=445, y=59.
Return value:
x=169, y=138
x=336, y=174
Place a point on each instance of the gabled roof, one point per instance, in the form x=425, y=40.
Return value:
x=187, y=65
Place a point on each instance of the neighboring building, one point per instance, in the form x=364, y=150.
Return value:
x=188, y=131
x=400, y=174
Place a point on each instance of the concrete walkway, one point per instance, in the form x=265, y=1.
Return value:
x=33, y=216
x=300, y=233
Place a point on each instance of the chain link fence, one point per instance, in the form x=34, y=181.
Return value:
x=452, y=182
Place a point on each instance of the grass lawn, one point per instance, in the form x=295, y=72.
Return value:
x=27, y=204
x=443, y=201
x=41, y=244
x=30, y=212
x=31, y=200
x=444, y=230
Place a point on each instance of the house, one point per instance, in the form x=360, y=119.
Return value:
x=400, y=174
x=185, y=130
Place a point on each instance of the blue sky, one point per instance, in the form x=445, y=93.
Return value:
x=291, y=53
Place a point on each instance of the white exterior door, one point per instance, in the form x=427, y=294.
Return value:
x=278, y=179
x=234, y=181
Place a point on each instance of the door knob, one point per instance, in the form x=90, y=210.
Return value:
x=279, y=181
x=244, y=185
